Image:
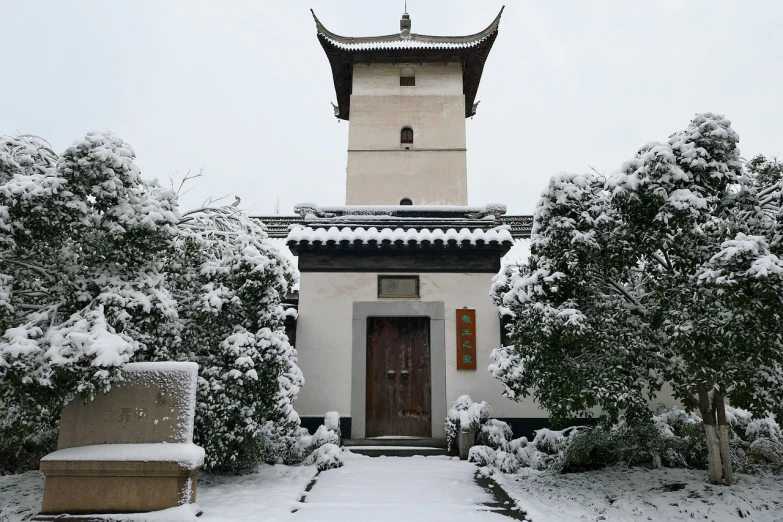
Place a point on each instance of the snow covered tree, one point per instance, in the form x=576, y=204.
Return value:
x=82, y=243
x=583, y=338
x=230, y=280
x=678, y=245
x=98, y=268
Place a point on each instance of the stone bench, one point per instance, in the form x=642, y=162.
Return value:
x=130, y=450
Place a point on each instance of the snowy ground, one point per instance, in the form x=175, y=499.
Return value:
x=394, y=489
x=271, y=494
x=412, y=489
x=20, y=496
x=631, y=495
x=437, y=489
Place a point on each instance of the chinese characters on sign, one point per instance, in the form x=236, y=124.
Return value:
x=466, y=339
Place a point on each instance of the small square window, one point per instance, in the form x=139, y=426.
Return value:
x=407, y=82
x=398, y=286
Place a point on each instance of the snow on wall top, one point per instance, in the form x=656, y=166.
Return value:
x=475, y=212
x=302, y=234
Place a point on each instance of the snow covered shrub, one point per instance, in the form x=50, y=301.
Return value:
x=764, y=455
x=465, y=414
x=481, y=455
x=495, y=434
x=83, y=239
x=332, y=422
x=643, y=444
x=20, y=453
x=506, y=462
x=587, y=449
x=552, y=442
x=230, y=280
x=683, y=433
x=324, y=457
x=307, y=444
x=530, y=457
x=756, y=444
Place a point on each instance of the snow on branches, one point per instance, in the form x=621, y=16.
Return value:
x=82, y=285
x=230, y=281
x=667, y=271
x=99, y=268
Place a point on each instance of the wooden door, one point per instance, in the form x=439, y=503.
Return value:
x=398, y=377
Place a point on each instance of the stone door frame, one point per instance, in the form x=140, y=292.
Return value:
x=436, y=312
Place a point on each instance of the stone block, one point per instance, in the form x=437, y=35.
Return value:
x=90, y=487
x=154, y=403
x=130, y=450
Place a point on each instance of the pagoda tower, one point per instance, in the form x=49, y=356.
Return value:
x=406, y=97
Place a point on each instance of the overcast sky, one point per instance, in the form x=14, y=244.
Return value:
x=242, y=89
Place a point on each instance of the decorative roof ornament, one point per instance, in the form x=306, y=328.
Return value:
x=405, y=24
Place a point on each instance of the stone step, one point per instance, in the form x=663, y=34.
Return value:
x=396, y=451
x=414, y=442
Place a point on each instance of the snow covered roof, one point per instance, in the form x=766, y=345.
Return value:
x=406, y=47
x=398, y=237
x=407, y=217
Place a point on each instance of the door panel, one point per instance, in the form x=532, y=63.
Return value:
x=398, y=377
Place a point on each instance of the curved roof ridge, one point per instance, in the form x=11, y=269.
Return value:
x=351, y=40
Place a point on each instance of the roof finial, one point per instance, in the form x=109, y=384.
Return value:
x=405, y=22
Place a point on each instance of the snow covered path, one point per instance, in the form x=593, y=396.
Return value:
x=270, y=494
x=410, y=489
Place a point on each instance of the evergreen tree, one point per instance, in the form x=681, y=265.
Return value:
x=230, y=281
x=82, y=244
x=678, y=246
x=99, y=268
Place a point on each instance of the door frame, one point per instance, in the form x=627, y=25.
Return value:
x=433, y=310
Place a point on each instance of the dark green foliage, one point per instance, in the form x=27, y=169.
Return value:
x=765, y=172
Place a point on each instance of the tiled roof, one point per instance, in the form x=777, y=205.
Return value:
x=405, y=47
x=406, y=40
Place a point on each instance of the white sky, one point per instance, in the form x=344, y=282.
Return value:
x=242, y=89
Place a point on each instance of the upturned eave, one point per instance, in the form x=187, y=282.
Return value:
x=345, y=52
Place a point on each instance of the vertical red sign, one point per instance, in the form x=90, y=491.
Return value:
x=466, y=339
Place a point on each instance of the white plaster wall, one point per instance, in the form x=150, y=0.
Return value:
x=438, y=122
x=324, y=339
x=426, y=177
x=384, y=79
x=380, y=170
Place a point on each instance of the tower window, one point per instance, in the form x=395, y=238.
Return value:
x=407, y=77
x=406, y=201
x=406, y=135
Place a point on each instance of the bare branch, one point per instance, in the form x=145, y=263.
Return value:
x=187, y=178
x=211, y=200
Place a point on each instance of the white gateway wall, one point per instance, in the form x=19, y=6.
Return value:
x=324, y=340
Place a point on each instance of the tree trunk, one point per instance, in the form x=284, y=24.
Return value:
x=723, y=433
x=714, y=464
